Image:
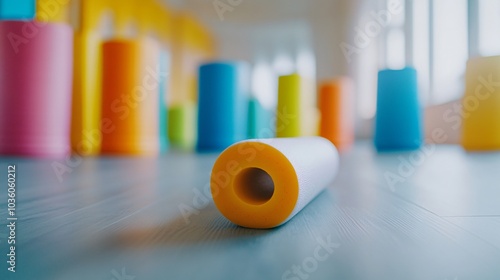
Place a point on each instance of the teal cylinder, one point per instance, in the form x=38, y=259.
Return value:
x=398, y=122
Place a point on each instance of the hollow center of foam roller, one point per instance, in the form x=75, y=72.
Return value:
x=254, y=186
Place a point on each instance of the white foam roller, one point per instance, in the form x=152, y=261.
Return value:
x=263, y=183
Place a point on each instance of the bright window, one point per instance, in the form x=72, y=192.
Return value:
x=489, y=24
x=449, y=49
x=395, y=37
x=395, y=48
x=419, y=40
x=432, y=36
x=437, y=37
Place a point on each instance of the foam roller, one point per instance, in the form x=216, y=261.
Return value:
x=264, y=183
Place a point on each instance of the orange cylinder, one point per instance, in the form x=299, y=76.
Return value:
x=130, y=90
x=335, y=103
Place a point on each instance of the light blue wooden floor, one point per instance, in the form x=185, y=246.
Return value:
x=112, y=217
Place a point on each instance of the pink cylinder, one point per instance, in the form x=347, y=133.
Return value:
x=36, y=66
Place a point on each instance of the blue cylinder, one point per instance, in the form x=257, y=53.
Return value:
x=398, y=124
x=222, y=105
x=17, y=9
x=163, y=116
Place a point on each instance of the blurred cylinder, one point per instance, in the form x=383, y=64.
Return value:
x=336, y=105
x=259, y=120
x=182, y=126
x=53, y=10
x=481, y=104
x=296, y=114
x=398, y=124
x=17, y=9
x=162, y=103
x=130, y=90
x=86, y=127
x=288, y=111
x=222, y=109
x=35, y=88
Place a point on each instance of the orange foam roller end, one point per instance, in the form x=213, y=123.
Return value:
x=263, y=183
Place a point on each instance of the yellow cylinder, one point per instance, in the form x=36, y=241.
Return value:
x=86, y=122
x=86, y=115
x=52, y=11
x=296, y=114
x=288, y=112
x=481, y=104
